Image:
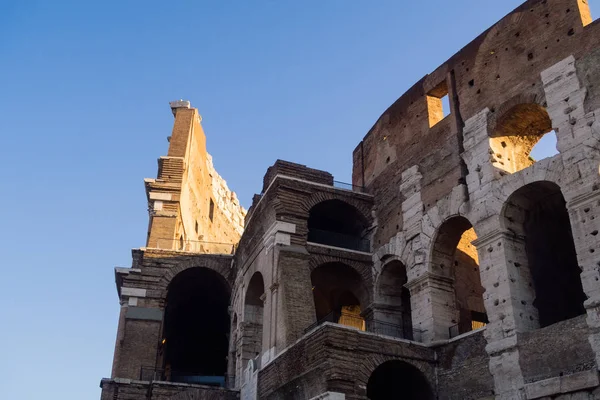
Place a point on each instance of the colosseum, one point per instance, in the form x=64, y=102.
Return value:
x=455, y=266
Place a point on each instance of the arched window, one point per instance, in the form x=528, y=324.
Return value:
x=455, y=257
x=336, y=223
x=253, y=319
x=515, y=135
x=393, y=316
x=196, y=329
x=398, y=380
x=544, y=253
x=339, y=293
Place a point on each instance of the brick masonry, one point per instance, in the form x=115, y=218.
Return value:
x=424, y=185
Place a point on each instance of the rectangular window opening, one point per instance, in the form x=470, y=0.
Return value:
x=211, y=210
x=438, y=103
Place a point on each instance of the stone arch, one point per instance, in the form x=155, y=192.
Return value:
x=538, y=97
x=391, y=309
x=395, y=378
x=340, y=294
x=196, y=329
x=515, y=130
x=337, y=223
x=455, y=258
x=543, y=251
x=318, y=197
x=219, y=264
x=252, y=336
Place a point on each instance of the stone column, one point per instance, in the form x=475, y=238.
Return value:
x=296, y=306
x=433, y=303
x=584, y=212
x=565, y=99
x=433, y=307
x=508, y=301
x=271, y=309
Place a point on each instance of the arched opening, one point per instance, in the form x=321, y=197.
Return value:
x=338, y=292
x=253, y=319
x=393, y=310
x=515, y=135
x=196, y=329
x=336, y=223
x=398, y=380
x=545, y=253
x=455, y=257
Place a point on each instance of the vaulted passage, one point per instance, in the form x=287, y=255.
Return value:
x=336, y=223
x=339, y=293
x=398, y=380
x=253, y=319
x=196, y=327
x=456, y=258
x=545, y=251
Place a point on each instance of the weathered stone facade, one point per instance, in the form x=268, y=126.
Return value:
x=455, y=266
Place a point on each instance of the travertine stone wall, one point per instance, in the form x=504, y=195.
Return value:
x=535, y=63
x=191, y=208
x=142, y=292
x=535, y=70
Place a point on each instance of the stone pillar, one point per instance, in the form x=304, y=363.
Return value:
x=508, y=300
x=433, y=307
x=138, y=335
x=270, y=347
x=476, y=153
x=296, y=306
x=565, y=98
x=584, y=212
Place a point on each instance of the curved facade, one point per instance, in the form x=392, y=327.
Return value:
x=454, y=262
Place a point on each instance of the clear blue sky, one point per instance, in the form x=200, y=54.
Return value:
x=84, y=92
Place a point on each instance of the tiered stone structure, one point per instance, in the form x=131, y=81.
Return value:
x=455, y=267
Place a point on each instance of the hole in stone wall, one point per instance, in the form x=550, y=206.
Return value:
x=516, y=134
x=545, y=147
x=438, y=103
x=211, y=210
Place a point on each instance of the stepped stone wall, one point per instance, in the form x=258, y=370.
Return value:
x=191, y=208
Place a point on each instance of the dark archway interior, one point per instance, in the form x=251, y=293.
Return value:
x=454, y=256
x=336, y=285
x=397, y=319
x=196, y=326
x=253, y=318
x=336, y=223
x=538, y=212
x=398, y=380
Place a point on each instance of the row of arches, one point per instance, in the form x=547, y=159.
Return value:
x=196, y=344
x=543, y=251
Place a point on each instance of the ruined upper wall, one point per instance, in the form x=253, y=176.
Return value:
x=501, y=66
x=191, y=207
